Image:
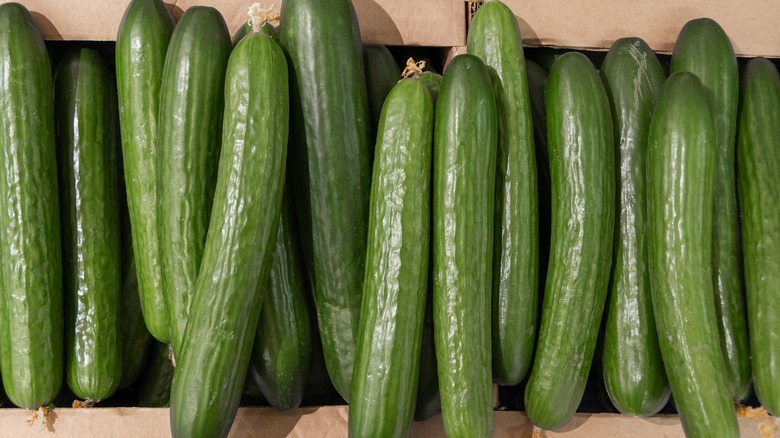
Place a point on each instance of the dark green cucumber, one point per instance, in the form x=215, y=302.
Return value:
x=188, y=136
x=31, y=320
x=433, y=82
x=704, y=49
x=631, y=360
x=495, y=37
x=387, y=362
x=282, y=350
x=428, y=400
x=582, y=176
x=136, y=339
x=245, y=29
x=85, y=114
x=464, y=168
x=382, y=73
x=331, y=166
x=758, y=159
x=155, y=388
x=239, y=245
x=681, y=167
x=141, y=45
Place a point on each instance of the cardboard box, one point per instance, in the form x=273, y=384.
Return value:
x=331, y=422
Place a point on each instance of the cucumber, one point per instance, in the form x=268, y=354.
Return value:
x=631, y=360
x=428, y=399
x=758, y=159
x=136, y=339
x=387, y=362
x=495, y=37
x=681, y=167
x=155, y=388
x=703, y=48
x=433, y=82
x=85, y=114
x=141, y=45
x=188, y=136
x=282, y=349
x=382, y=73
x=31, y=320
x=464, y=168
x=331, y=166
x=239, y=245
x=582, y=176
x=246, y=29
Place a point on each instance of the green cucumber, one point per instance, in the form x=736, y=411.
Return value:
x=141, y=45
x=136, y=339
x=31, y=320
x=239, y=245
x=681, y=163
x=387, y=362
x=704, y=49
x=631, y=360
x=428, y=399
x=246, y=29
x=433, y=82
x=382, y=73
x=331, y=167
x=582, y=176
x=188, y=136
x=758, y=159
x=155, y=388
x=464, y=168
x=495, y=37
x=85, y=114
x=282, y=350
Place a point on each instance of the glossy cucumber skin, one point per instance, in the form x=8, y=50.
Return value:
x=85, y=114
x=382, y=73
x=631, y=359
x=703, y=48
x=142, y=43
x=31, y=319
x=282, y=349
x=495, y=37
x=464, y=167
x=758, y=158
x=387, y=362
x=579, y=134
x=239, y=246
x=331, y=167
x=188, y=143
x=155, y=388
x=433, y=82
x=681, y=167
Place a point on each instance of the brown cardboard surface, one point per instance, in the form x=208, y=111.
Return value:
x=393, y=22
x=331, y=422
x=752, y=25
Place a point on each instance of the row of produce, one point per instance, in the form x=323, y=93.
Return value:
x=455, y=231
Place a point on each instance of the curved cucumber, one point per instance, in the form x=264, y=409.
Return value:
x=85, y=113
x=681, y=168
x=758, y=150
x=141, y=45
x=495, y=37
x=188, y=135
x=703, y=48
x=331, y=167
x=239, y=245
x=631, y=360
x=282, y=350
x=31, y=321
x=579, y=132
x=464, y=167
x=387, y=362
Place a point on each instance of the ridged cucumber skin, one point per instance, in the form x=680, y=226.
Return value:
x=155, y=388
x=136, y=339
x=86, y=122
x=495, y=38
x=703, y=48
x=188, y=142
x=382, y=73
x=331, y=167
x=239, y=245
x=464, y=167
x=141, y=46
x=631, y=359
x=582, y=175
x=387, y=361
x=758, y=159
x=681, y=162
x=31, y=319
x=282, y=349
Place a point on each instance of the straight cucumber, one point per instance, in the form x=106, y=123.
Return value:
x=155, y=388
x=382, y=73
